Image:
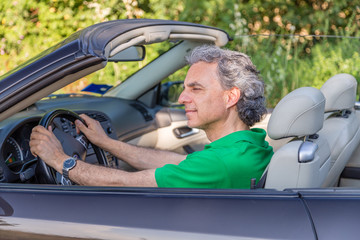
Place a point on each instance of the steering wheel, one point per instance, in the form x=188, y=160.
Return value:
x=75, y=145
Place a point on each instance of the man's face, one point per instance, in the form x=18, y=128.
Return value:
x=203, y=96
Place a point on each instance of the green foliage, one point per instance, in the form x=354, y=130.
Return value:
x=28, y=27
x=292, y=62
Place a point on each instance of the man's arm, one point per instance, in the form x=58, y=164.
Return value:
x=138, y=157
x=92, y=175
x=43, y=143
x=142, y=158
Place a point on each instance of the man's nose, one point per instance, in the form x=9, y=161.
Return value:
x=183, y=98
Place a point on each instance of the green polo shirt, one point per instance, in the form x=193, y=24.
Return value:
x=229, y=162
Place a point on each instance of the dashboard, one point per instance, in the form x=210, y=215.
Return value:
x=17, y=164
x=130, y=121
x=16, y=149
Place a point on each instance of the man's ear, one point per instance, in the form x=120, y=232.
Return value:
x=233, y=96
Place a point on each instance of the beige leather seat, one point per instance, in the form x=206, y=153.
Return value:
x=304, y=161
x=341, y=125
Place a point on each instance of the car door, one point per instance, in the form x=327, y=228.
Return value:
x=151, y=213
x=172, y=133
x=334, y=212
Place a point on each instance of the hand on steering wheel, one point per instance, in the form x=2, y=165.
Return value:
x=73, y=144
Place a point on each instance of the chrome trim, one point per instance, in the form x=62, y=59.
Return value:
x=357, y=105
x=307, y=151
x=189, y=133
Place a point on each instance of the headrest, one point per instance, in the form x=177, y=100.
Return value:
x=339, y=92
x=298, y=114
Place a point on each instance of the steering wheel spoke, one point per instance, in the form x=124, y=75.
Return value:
x=71, y=144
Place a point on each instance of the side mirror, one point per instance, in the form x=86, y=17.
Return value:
x=170, y=93
x=133, y=53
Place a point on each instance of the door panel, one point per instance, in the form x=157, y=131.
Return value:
x=169, y=137
x=335, y=213
x=166, y=138
x=152, y=213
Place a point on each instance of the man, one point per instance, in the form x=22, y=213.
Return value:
x=222, y=95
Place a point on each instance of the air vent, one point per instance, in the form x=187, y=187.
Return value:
x=97, y=116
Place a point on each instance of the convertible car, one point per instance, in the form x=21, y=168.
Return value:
x=309, y=190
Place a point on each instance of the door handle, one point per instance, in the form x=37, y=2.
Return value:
x=184, y=132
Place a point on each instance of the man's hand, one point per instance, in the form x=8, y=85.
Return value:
x=44, y=144
x=94, y=131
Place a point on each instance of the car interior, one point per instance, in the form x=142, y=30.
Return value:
x=316, y=143
x=133, y=111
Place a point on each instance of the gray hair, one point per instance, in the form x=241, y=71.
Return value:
x=235, y=69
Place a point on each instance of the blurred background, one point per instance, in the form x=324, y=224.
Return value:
x=289, y=58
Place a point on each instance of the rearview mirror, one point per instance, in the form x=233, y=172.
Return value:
x=133, y=53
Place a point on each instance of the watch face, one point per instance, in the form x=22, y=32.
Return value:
x=69, y=163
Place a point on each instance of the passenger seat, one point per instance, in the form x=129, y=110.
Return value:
x=341, y=125
x=304, y=161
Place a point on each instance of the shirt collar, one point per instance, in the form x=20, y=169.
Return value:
x=254, y=135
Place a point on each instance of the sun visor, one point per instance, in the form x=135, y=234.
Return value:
x=154, y=34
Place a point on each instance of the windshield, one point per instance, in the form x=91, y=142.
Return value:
x=114, y=73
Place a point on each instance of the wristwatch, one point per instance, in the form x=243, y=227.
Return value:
x=69, y=164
